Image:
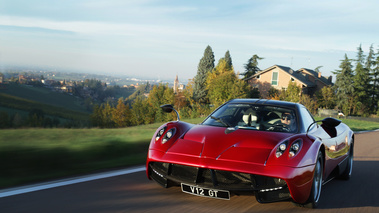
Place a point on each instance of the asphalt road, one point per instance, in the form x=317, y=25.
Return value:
x=135, y=193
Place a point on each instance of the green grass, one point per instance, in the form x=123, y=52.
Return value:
x=44, y=96
x=21, y=99
x=358, y=125
x=21, y=104
x=30, y=155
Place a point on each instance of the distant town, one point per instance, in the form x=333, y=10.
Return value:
x=69, y=82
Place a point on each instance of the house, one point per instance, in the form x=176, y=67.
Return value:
x=278, y=76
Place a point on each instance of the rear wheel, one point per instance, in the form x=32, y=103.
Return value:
x=346, y=174
x=314, y=197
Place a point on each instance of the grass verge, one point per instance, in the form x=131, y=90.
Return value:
x=31, y=155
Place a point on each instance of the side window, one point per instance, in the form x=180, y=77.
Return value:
x=306, y=116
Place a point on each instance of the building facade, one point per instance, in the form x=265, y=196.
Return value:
x=279, y=77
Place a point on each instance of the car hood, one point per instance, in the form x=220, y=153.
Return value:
x=243, y=145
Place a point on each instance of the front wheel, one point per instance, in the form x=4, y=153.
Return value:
x=314, y=197
x=346, y=174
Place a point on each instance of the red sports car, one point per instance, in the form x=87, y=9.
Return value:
x=272, y=149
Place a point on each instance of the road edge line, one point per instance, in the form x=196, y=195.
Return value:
x=68, y=181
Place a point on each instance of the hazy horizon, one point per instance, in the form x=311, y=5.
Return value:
x=162, y=39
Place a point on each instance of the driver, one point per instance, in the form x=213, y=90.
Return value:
x=288, y=120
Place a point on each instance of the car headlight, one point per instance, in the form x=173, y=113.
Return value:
x=160, y=133
x=168, y=135
x=295, y=147
x=281, y=148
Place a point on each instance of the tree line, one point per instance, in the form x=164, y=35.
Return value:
x=354, y=92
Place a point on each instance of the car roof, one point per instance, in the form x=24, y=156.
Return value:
x=266, y=102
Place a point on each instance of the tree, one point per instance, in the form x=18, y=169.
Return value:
x=158, y=96
x=139, y=109
x=121, y=114
x=293, y=92
x=228, y=60
x=310, y=103
x=223, y=84
x=344, y=86
x=107, y=111
x=36, y=118
x=205, y=66
x=326, y=97
x=317, y=69
x=251, y=67
x=96, y=116
x=361, y=83
x=374, y=74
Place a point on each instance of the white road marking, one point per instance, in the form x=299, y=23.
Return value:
x=69, y=181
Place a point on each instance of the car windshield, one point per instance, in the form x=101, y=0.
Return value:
x=249, y=116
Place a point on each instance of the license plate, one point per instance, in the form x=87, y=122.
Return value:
x=205, y=192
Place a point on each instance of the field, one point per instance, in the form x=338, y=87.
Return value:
x=22, y=99
x=31, y=155
x=42, y=96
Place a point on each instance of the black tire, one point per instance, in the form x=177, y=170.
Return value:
x=314, y=197
x=346, y=174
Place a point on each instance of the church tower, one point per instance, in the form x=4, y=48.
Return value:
x=176, y=84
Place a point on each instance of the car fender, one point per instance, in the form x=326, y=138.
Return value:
x=157, y=144
x=307, y=155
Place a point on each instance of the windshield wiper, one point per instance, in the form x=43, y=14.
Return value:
x=221, y=121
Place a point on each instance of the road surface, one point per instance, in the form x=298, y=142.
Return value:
x=135, y=193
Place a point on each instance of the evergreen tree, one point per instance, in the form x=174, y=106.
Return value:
x=344, y=86
x=251, y=67
x=374, y=74
x=370, y=60
x=205, y=66
x=228, y=60
x=361, y=84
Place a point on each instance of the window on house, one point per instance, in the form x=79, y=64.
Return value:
x=274, y=80
x=258, y=76
x=292, y=79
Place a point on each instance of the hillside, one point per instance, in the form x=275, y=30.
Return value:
x=44, y=96
x=22, y=99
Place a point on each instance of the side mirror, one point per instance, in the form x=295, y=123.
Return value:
x=169, y=108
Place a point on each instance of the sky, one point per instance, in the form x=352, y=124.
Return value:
x=159, y=39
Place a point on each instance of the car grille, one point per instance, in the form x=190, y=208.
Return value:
x=267, y=188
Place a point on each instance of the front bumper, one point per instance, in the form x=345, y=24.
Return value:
x=269, y=183
x=266, y=189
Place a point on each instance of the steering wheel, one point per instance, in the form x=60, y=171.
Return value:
x=280, y=127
